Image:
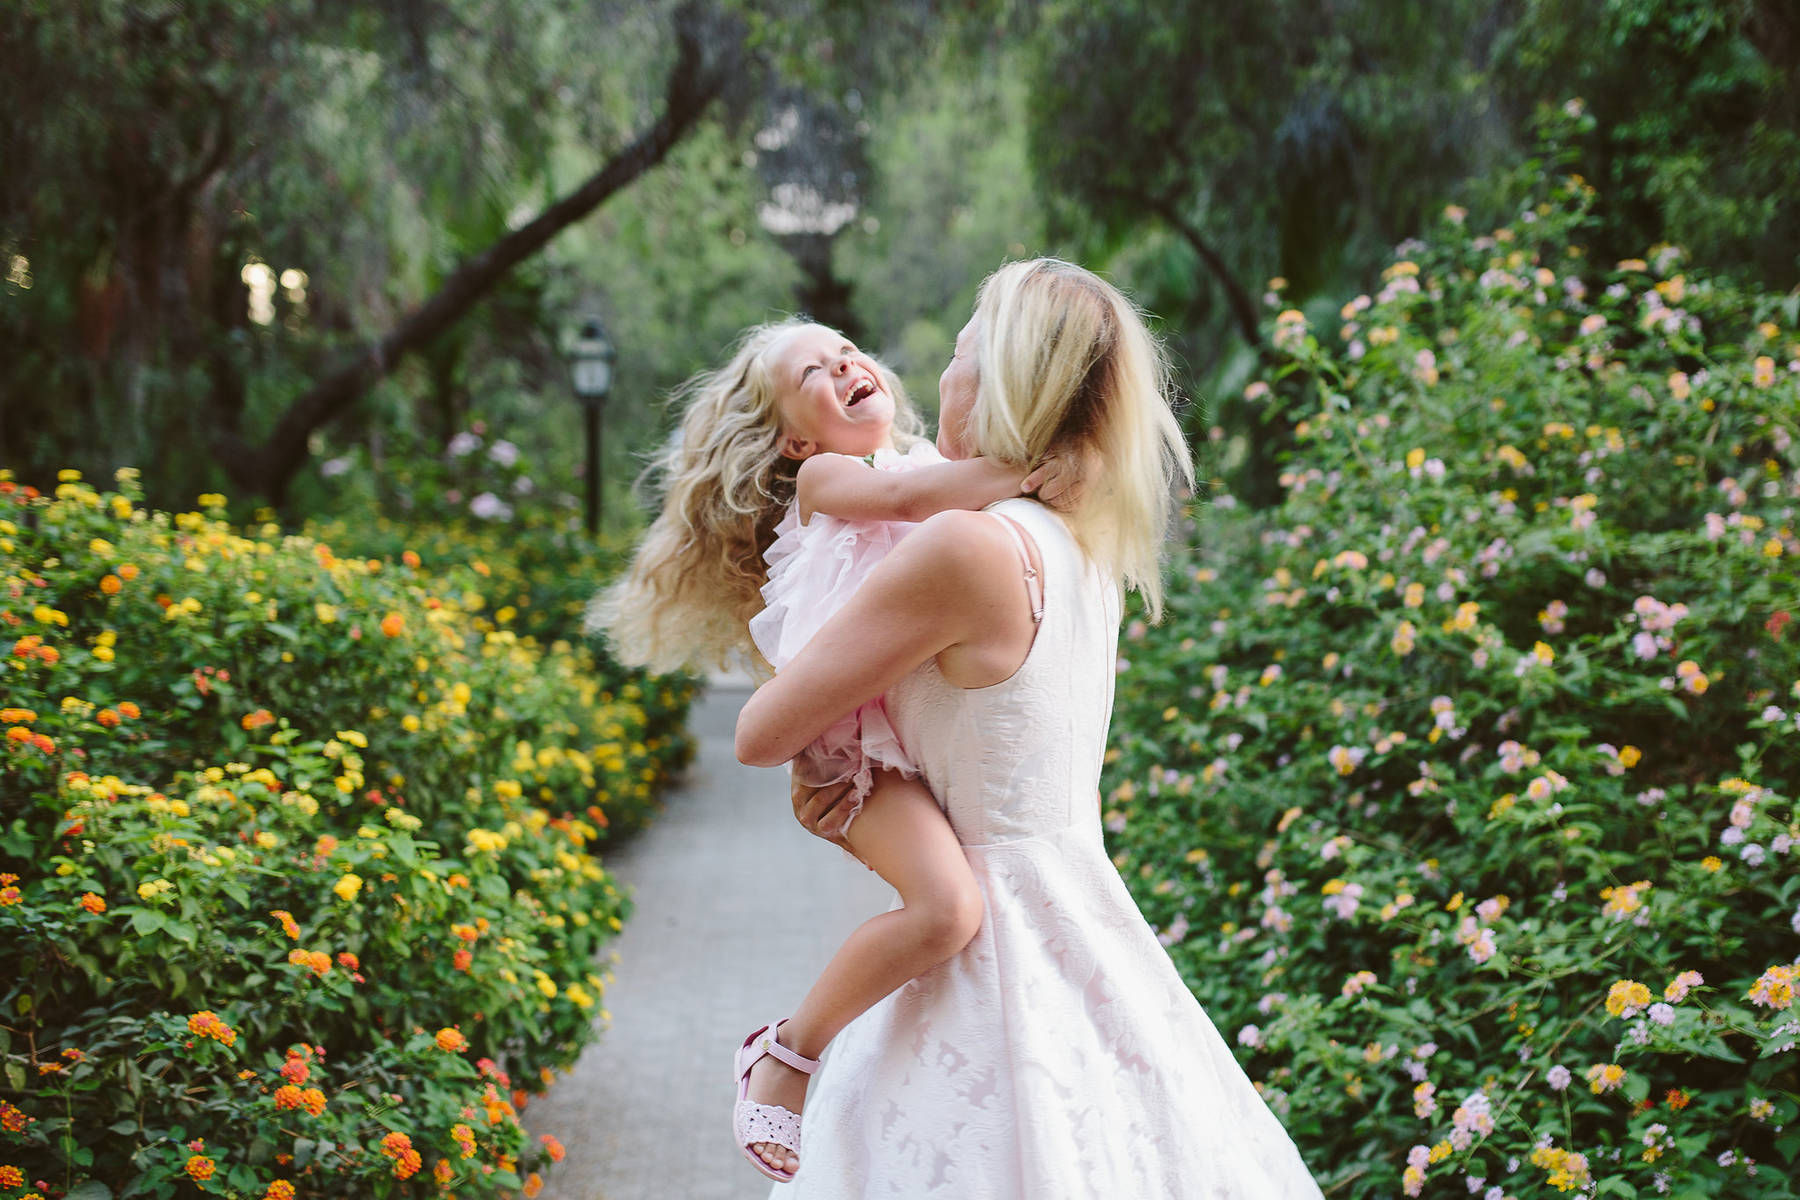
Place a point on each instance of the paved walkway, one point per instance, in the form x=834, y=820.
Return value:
x=727, y=888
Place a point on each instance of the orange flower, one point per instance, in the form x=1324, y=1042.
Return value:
x=349, y=961
x=11, y=1177
x=451, y=1041
x=317, y=961
x=287, y=1096
x=1677, y=1099
x=50, y=654
x=129, y=710
x=257, y=719
x=464, y=1137
x=47, y=745
x=93, y=902
x=288, y=925
x=461, y=960
x=10, y=896
x=392, y=624
x=410, y=559
x=407, y=1161
x=206, y=1023
x=200, y=1168
x=110, y=584
x=295, y=1070
x=313, y=1101
x=280, y=1189
x=108, y=718
x=325, y=845
x=18, y=733
x=553, y=1148
x=534, y=1183
x=444, y=1171
x=13, y=1120
x=13, y=716
x=128, y=571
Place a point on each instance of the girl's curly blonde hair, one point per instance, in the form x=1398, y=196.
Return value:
x=697, y=577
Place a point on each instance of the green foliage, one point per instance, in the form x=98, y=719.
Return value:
x=1696, y=131
x=262, y=804
x=1448, y=769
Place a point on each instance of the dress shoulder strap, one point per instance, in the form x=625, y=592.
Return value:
x=1034, y=586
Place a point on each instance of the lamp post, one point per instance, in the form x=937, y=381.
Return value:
x=590, y=371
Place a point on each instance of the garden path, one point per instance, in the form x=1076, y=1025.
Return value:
x=708, y=952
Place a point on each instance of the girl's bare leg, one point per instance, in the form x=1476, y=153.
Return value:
x=905, y=837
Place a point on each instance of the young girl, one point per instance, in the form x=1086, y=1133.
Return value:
x=793, y=450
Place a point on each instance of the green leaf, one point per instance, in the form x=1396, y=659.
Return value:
x=146, y=921
x=89, y=1189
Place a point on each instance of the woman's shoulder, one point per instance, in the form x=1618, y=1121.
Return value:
x=956, y=547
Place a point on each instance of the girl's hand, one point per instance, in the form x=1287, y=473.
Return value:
x=1060, y=480
x=822, y=811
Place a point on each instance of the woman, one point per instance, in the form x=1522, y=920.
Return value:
x=1059, y=1054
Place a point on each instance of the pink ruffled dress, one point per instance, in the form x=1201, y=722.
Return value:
x=813, y=569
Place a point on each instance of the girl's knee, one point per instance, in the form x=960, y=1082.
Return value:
x=950, y=920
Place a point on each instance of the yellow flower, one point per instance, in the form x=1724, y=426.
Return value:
x=1630, y=756
x=546, y=985
x=1404, y=634
x=325, y=612
x=347, y=887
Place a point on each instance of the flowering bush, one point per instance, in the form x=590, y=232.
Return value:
x=1461, y=783
x=295, y=891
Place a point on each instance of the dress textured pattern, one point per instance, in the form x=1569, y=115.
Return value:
x=1059, y=1056
x=813, y=569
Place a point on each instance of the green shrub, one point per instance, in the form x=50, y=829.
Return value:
x=1448, y=772
x=294, y=850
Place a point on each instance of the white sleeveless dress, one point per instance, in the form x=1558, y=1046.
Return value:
x=1059, y=1056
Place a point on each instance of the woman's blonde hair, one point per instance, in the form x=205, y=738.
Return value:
x=1067, y=365
x=697, y=577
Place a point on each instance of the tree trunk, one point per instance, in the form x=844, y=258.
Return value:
x=1243, y=308
x=1269, y=434
x=268, y=469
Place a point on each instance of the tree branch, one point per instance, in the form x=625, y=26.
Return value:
x=268, y=469
x=1243, y=309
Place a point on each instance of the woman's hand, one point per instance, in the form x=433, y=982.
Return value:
x=823, y=811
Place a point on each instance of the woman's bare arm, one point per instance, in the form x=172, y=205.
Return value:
x=952, y=587
x=846, y=487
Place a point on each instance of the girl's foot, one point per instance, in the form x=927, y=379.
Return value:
x=774, y=1082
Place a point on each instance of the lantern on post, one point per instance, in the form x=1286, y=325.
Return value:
x=590, y=372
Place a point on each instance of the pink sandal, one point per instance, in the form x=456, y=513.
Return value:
x=752, y=1122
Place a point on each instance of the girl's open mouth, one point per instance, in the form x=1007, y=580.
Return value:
x=861, y=390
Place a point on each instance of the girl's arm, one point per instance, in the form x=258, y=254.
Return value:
x=848, y=488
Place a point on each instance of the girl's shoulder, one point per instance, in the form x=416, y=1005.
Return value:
x=920, y=454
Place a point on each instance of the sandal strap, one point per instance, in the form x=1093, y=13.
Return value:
x=764, y=1040
x=768, y=1123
